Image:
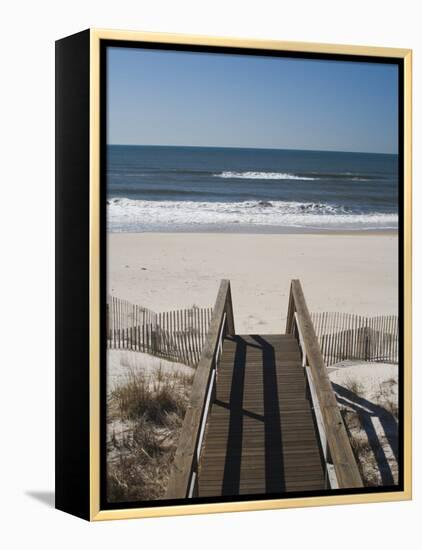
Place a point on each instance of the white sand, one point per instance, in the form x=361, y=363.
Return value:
x=368, y=393
x=354, y=273
x=121, y=363
x=371, y=379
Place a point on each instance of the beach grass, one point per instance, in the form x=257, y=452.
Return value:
x=145, y=415
x=368, y=401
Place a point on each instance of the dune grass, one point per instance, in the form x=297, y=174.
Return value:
x=372, y=423
x=145, y=415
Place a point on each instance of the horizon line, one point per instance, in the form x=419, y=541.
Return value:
x=254, y=148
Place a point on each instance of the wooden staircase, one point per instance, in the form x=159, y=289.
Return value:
x=260, y=436
x=263, y=417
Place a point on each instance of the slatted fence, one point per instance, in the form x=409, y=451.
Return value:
x=177, y=335
x=122, y=315
x=355, y=337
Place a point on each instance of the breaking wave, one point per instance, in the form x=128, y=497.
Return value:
x=263, y=176
x=306, y=176
x=125, y=214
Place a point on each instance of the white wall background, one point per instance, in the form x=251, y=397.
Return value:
x=27, y=269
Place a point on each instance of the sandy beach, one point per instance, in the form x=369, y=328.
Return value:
x=367, y=394
x=349, y=272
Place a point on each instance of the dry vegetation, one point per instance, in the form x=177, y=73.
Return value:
x=145, y=415
x=373, y=428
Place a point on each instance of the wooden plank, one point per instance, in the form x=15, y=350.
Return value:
x=343, y=346
x=183, y=337
x=177, y=333
x=323, y=332
x=176, y=336
x=185, y=456
x=355, y=337
x=168, y=333
x=335, y=337
x=188, y=336
x=180, y=336
x=347, y=335
x=390, y=340
x=341, y=452
x=396, y=350
x=259, y=463
x=201, y=327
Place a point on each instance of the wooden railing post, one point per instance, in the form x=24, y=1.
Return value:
x=229, y=312
x=290, y=312
x=339, y=447
x=184, y=467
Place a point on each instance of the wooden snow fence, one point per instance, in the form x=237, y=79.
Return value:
x=177, y=335
x=348, y=336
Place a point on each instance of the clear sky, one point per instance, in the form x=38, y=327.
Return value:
x=181, y=98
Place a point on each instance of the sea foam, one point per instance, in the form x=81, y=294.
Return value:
x=125, y=214
x=263, y=176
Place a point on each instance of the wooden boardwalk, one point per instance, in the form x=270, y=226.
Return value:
x=260, y=436
x=262, y=417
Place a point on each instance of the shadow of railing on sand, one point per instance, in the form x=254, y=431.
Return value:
x=366, y=411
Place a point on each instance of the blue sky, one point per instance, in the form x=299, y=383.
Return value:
x=181, y=98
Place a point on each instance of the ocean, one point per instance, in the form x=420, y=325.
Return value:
x=155, y=188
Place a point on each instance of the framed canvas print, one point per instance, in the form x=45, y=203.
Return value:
x=233, y=274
